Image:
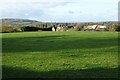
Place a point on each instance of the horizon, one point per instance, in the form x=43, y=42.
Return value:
x=68, y=11
x=59, y=22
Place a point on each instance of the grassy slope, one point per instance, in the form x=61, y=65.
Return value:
x=60, y=54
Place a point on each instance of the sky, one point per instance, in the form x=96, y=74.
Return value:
x=61, y=10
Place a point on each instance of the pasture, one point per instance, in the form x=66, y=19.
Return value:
x=60, y=55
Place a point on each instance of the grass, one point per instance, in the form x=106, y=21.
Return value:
x=60, y=55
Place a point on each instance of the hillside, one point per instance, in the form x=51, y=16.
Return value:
x=17, y=22
x=7, y=20
x=27, y=22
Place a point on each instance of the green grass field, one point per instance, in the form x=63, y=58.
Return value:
x=60, y=55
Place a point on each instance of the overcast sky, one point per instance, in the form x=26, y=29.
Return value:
x=61, y=10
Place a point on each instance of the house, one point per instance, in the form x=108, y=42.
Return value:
x=94, y=28
x=56, y=28
x=100, y=28
x=90, y=27
x=59, y=28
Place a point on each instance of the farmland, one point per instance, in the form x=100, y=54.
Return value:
x=60, y=55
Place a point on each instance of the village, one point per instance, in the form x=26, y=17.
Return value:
x=21, y=25
x=83, y=28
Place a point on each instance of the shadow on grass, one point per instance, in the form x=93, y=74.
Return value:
x=10, y=72
x=53, y=43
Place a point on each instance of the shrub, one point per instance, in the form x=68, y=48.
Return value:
x=71, y=29
x=7, y=29
x=28, y=28
x=47, y=29
x=78, y=27
x=0, y=29
x=115, y=27
x=64, y=28
x=32, y=28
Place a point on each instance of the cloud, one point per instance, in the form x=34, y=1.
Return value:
x=71, y=12
x=61, y=10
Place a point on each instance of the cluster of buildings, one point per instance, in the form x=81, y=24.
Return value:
x=95, y=28
x=84, y=28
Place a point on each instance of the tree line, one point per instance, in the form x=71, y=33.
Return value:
x=111, y=26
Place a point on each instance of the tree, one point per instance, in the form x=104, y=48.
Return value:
x=115, y=27
x=78, y=27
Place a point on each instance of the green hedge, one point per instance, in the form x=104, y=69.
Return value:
x=6, y=29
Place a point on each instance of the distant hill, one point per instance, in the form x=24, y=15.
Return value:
x=8, y=20
x=26, y=22
x=17, y=22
